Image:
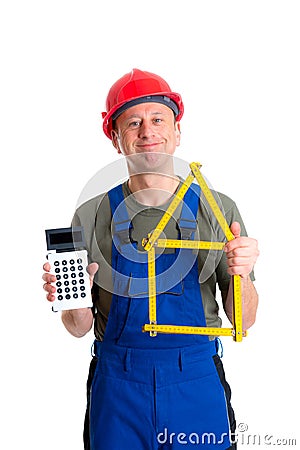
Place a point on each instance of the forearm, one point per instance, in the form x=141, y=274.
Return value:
x=78, y=321
x=249, y=302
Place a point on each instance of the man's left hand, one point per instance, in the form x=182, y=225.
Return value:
x=242, y=253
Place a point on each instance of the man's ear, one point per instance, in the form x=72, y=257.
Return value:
x=178, y=132
x=115, y=140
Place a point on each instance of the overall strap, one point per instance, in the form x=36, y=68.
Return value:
x=121, y=221
x=187, y=223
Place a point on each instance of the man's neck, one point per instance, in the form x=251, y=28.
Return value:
x=153, y=189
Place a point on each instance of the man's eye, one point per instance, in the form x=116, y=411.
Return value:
x=135, y=123
x=158, y=120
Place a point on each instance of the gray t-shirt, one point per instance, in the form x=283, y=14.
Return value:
x=96, y=218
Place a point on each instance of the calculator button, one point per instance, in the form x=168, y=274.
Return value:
x=72, y=261
x=56, y=263
x=66, y=283
x=66, y=276
x=80, y=274
x=74, y=289
x=80, y=268
x=73, y=275
x=64, y=262
x=83, y=294
x=75, y=295
x=68, y=296
x=79, y=260
x=81, y=281
x=58, y=284
x=82, y=288
x=58, y=277
x=57, y=270
x=65, y=269
x=72, y=268
x=74, y=281
x=67, y=290
x=59, y=291
x=60, y=297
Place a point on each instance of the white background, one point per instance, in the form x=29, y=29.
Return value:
x=236, y=64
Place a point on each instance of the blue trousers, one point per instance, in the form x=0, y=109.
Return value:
x=142, y=399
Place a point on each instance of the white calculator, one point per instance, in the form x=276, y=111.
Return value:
x=68, y=261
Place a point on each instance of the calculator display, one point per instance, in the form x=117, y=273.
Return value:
x=65, y=238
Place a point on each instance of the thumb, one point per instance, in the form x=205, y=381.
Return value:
x=92, y=269
x=235, y=229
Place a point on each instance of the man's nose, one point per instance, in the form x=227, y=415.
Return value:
x=146, y=129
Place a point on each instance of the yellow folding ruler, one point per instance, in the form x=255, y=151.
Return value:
x=153, y=241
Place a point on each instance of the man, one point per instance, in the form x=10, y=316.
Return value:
x=164, y=391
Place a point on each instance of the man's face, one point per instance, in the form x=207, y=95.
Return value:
x=146, y=128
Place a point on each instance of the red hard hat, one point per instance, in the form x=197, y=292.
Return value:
x=136, y=85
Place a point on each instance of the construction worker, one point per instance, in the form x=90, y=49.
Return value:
x=169, y=390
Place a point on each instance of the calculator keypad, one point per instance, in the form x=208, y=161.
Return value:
x=67, y=268
x=72, y=281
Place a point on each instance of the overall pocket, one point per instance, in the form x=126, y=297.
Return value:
x=133, y=311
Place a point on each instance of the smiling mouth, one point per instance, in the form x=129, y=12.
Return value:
x=149, y=146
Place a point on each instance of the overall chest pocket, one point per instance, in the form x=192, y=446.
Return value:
x=133, y=309
x=138, y=287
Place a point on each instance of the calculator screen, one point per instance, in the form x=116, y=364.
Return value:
x=65, y=238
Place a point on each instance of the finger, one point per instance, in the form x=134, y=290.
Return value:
x=236, y=229
x=49, y=288
x=48, y=277
x=239, y=242
x=238, y=261
x=92, y=269
x=50, y=297
x=235, y=243
x=240, y=265
x=240, y=252
x=242, y=257
x=46, y=267
x=50, y=292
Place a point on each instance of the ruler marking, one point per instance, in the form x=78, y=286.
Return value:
x=237, y=308
x=177, y=243
x=183, y=329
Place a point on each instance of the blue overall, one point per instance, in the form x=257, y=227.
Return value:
x=163, y=392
